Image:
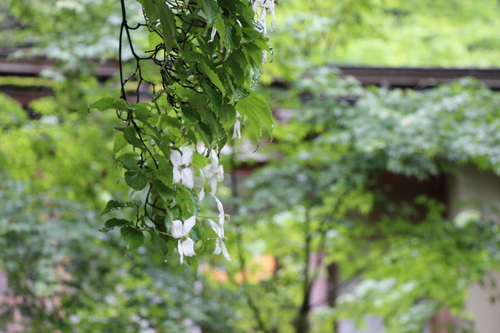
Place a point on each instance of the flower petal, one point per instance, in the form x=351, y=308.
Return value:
x=213, y=185
x=187, y=177
x=177, y=175
x=187, y=155
x=188, y=225
x=237, y=127
x=220, y=174
x=212, y=35
x=214, y=160
x=218, y=242
x=216, y=228
x=188, y=247
x=201, y=194
x=176, y=229
x=181, y=251
x=175, y=158
x=220, y=208
x=224, y=251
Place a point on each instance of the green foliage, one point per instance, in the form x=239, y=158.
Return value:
x=207, y=56
x=64, y=152
x=68, y=279
x=13, y=115
x=383, y=33
x=203, y=58
x=332, y=155
x=71, y=31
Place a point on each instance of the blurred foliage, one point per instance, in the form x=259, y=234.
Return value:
x=65, y=150
x=316, y=197
x=63, y=275
x=383, y=33
x=68, y=30
x=321, y=194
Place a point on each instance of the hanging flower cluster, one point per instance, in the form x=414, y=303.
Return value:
x=263, y=8
x=183, y=174
x=206, y=58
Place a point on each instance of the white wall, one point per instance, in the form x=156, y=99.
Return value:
x=471, y=183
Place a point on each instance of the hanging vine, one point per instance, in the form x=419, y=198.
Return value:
x=207, y=56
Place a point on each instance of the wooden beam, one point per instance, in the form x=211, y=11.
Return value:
x=419, y=78
x=34, y=67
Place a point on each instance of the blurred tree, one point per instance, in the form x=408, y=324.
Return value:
x=319, y=203
x=383, y=33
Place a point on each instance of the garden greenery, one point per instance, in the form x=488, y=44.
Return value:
x=207, y=56
x=199, y=61
x=337, y=219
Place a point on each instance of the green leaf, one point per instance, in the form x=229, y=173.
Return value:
x=237, y=63
x=193, y=263
x=165, y=192
x=140, y=110
x=190, y=113
x=159, y=243
x=113, y=205
x=255, y=40
x=239, y=93
x=119, y=143
x=211, y=10
x=113, y=223
x=199, y=160
x=258, y=113
x=129, y=161
x=255, y=53
x=150, y=9
x=227, y=114
x=136, y=179
x=167, y=20
x=232, y=37
x=212, y=76
x=221, y=29
x=130, y=135
x=231, y=6
x=154, y=39
x=109, y=103
x=214, y=95
x=165, y=175
x=132, y=237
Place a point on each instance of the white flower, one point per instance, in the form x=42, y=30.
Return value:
x=201, y=185
x=467, y=217
x=182, y=166
x=181, y=231
x=212, y=35
x=219, y=230
x=219, y=241
x=237, y=126
x=214, y=172
x=262, y=8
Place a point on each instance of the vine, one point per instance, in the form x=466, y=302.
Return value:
x=207, y=56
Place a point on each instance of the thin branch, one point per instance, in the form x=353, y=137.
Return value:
x=120, y=49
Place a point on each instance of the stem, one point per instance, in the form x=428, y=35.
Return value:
x=120, y=64
x=302, y=319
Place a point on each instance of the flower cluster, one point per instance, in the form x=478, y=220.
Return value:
x=262, y=8
x=183, y=174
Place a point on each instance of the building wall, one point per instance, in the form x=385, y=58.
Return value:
x=473, y=184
